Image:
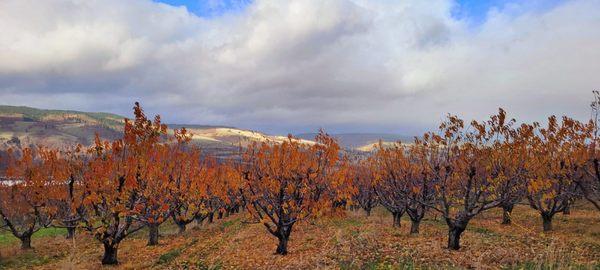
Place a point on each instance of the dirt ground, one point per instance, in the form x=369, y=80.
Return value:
x=350, y=242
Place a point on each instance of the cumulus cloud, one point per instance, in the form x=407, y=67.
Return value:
x=291, y=66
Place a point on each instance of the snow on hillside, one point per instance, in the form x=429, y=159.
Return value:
x=237, y=136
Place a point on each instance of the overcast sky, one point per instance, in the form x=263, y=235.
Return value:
x=294, y=66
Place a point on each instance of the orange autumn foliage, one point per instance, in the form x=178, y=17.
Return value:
x=288, y=182
x=29, y=196
x=556, y=161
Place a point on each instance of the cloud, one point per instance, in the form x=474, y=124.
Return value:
x=282, y=66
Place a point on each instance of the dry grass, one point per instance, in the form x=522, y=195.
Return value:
x=351, y=242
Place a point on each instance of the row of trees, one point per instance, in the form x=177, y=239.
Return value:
x=114, y=189
x=463, y=170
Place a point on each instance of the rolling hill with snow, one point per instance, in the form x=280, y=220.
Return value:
x=24, y=126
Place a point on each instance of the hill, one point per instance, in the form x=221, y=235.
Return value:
x=362, y=141
x=21, y=125
x=25, y=126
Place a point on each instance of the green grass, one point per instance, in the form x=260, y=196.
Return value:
x=166, y=228
x=347, y=222
x=481, y=230
x=232, y=226
x=6, y=238
x=169, y=256
x=26, y=260
x=229, y=223
x=51, y=232
x=202, y=265
x=172, y=254
x=529, y=265
x=439, y=222
x=407, y=265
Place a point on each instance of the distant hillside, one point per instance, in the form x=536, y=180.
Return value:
x=228, y=136
x=26, y=126
x=361, y=141
x=61, y=128
x=21, y=125
x=108, y=120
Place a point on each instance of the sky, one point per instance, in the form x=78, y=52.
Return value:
x=210, y=8
x=393, y=66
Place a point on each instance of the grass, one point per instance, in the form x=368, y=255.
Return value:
x=169, y=256
x=545, y=266
x=202, y=265
x=485, y=231
x=229, y=223
x=27, y=259
x=350, y=242
x=51, y=232
x=347, y=223
x=6, y=238
x=370, y=265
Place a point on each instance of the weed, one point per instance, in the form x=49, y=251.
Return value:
x=169, y=256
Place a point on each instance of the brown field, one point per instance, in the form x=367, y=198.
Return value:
x=350, y=242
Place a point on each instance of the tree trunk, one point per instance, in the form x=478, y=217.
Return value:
x=282, y=246
x=454, y=237
x=368, y=212
x=110, y=254
x=211, y=217
x=283, y=236
x=414, y=226
x=152, y=234
x=567, y=210
x=199, y=219
x=70, y=232
x=397, y=218
x=547, y=222
x=181, y=226
x=506, y=214
x=25, y=241
x=455, y=229
x=220, y=216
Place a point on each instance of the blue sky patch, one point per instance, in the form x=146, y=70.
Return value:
x=209, y=8
x=475, y=11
